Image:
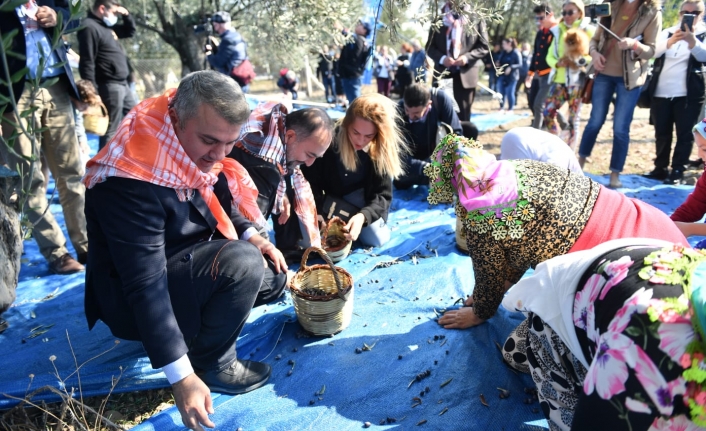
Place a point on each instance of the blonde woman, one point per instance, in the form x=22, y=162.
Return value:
x=355, y=174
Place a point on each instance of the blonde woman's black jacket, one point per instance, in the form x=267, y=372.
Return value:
x=325, y=180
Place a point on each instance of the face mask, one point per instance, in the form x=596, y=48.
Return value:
x=526, y=52
x=448, y=20
x=110, y=20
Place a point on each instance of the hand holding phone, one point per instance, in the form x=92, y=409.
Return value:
x=687, y=21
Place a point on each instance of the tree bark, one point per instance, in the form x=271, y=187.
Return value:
x=10, y=238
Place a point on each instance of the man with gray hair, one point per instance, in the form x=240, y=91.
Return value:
x=175, y=260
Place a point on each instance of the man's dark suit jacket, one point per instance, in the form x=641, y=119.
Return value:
x=9, y=21
x=474, y=46
x=140, y=237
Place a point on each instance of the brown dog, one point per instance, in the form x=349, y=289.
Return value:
x=575, y=48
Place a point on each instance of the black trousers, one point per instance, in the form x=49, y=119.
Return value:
x=119, y=100
x=266, y=177
x=464, y=97
x=666, y=114
x=228, y=279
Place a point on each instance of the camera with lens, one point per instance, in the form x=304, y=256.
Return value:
x=205, y=26
x=597, y=10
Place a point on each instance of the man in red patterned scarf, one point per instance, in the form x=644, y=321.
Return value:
x=272, y=146
x=175, y=260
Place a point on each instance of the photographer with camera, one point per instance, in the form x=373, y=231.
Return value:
x=677, y=89
x=230, y=52
x=568, y=57
x=620, y=60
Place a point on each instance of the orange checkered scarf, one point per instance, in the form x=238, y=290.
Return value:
x=146, y=148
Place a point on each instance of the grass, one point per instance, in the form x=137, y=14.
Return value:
x=125, y=410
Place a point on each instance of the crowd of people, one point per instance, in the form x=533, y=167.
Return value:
x=171, y=217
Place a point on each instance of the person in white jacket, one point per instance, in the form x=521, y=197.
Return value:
x=678, y=91
x=533, y=144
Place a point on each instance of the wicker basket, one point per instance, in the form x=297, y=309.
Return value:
x=322, y=296
x=335, y=243
x=95, y=120
x=461, y=236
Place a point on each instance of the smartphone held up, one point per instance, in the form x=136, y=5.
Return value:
x=687, y=21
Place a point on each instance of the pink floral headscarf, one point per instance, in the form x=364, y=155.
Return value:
x=490, y=197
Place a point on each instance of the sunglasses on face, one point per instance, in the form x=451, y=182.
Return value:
x=693, y=12
x=568, y=12
x=539, y=18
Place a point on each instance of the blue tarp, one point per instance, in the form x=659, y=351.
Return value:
x=398, y=287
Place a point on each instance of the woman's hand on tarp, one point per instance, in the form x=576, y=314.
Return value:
x=460, y=319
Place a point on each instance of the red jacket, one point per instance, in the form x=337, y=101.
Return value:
x=694, y=207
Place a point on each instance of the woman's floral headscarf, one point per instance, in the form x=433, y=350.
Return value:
x=493, y=196
x=687, y=267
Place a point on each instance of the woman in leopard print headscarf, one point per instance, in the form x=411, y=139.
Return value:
x=518, y=213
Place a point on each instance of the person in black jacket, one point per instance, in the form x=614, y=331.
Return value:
x=36, y=23
x=351, y=65
x=232, y=49
x=423, y=110
x=324, y=72
x=174, y=262
x=510, y=60
x=103, y=60
x=358, y=168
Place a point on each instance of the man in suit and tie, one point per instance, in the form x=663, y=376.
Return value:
x=175, y=258
x=458, y=47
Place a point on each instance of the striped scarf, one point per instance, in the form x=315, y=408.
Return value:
x=146, y=148
x=263, y=136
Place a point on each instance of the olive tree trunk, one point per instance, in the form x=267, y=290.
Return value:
x=10, y=238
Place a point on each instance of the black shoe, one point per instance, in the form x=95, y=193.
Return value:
x=240, y=377
x=293, y=255
x=675, y=177
x=657, y=174
x=698, y=163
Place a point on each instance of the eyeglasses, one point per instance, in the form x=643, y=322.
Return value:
x=693, y=12
x=539, y=18
x=567, y=12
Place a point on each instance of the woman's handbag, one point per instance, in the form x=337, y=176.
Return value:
x=645, y=99
x=338, y=207
x=587, y=90
x=96, y=119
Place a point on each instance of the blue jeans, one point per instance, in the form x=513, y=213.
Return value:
x=625, y=102
x=351, y=87
x=329, y=88
x=507, y=89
